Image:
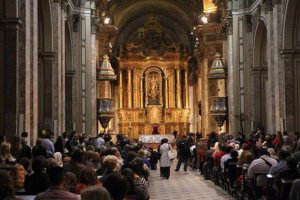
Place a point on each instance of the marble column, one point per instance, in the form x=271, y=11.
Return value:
x=69, y=100
x=270, y=93
x=135, y=85
x=24, y=72
x=288, y=94
x=178, y=88
x=172, y=89
x=58, y=81
x=129, y=87
x=193, y=106
x=83, y=31
x=87, y=92
x=186, y=89
x=258, y=96
x=10, y=56
x=166, y=93
x=205, y=98
x=198, y=97
x=232, y=88
x=62, y=123
x=278, y=66
x=35, y=74
x=28, y=72
x=92, y=84
x=45, y=74
x=120, y=88
x=142, y=92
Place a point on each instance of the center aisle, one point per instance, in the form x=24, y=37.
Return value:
x=184, y=186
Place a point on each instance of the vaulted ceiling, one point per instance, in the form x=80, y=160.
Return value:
x=178, y=17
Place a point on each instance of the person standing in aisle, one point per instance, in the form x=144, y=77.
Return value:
x=183, y=149
x=165, y=160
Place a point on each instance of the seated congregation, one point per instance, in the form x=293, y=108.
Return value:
x=262, y=167
x=74, y=167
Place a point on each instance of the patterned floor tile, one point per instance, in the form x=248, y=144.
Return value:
x=181, y=186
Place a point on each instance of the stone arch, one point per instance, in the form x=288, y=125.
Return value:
x=45, y=62
x=68, y=47
x=131, y=16
x=260, y=76
x=260, y=44
x=9, y=62
x=69, y=79
x=289, y=22
x=45, y=22
x=291, y=57
x=296, y=30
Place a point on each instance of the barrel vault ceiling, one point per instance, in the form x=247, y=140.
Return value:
x=178, y=17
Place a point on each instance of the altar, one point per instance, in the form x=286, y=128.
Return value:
x=153, y=90
x=154, y=140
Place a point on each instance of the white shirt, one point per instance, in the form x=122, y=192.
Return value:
x=223, y=160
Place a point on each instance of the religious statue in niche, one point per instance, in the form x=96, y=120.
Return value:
x=153, y=89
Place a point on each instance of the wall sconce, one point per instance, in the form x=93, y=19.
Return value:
x=203, y=19
x=106, y=20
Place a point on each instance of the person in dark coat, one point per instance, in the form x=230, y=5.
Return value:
x=154, y=157
x=38, y=149
x=76, y=164
x=212, y=139
x=25, y=151
x=183, y=149
x=38, y=181
x=269, y=143
x=291, y=171
x=59, y=145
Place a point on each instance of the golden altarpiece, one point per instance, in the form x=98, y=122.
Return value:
x=152, y=83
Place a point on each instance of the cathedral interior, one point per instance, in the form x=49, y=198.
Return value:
x=149, y=66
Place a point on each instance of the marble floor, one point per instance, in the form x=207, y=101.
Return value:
x=184, y=186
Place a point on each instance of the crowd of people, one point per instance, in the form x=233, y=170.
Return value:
x=259, y=166
x=75, y=166
x=252, y=167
